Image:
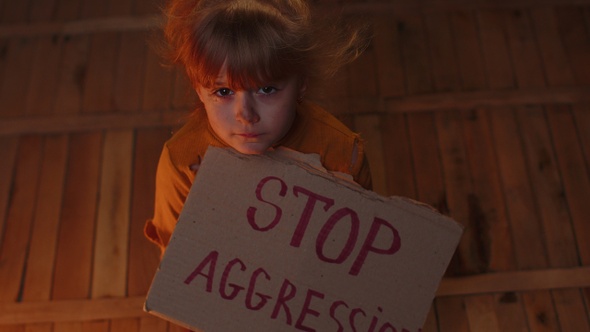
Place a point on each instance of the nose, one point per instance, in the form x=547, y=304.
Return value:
x=245, y=108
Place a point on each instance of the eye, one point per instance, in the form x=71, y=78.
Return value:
x=267, y=90
x=223, y=92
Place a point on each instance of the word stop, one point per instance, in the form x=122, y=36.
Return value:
x=379, y=228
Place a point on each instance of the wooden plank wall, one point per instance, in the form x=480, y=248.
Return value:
x=481, y=109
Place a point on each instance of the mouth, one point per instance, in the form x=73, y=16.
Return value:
x=249, y=135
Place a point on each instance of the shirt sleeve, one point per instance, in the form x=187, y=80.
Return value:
x=172, y=187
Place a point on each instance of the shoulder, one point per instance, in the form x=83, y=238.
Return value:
x=316, y=116
x=317, y=131
x=188, y=145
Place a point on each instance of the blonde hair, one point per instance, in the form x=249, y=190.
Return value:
x=257, y=41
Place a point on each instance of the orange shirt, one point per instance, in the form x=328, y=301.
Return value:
x=314, y=131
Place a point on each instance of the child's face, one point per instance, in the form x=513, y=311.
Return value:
x=251, y=120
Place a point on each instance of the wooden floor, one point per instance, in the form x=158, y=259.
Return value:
x=479, y=108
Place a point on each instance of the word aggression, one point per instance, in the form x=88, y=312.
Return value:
x=302, y=316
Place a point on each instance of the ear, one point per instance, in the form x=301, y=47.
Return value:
x=198, y=91
x=302, y=88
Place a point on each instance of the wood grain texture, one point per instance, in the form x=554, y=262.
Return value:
x=111, y=245
x=479, y=108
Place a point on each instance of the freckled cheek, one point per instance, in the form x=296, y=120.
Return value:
x=222, y=119
x=219, y=127
x=273, y=116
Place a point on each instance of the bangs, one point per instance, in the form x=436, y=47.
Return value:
x=251, y=44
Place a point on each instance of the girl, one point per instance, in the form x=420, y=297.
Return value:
x=252, y=62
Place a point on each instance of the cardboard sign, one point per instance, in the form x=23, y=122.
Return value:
x=271, y=243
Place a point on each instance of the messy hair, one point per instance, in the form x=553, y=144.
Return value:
x=256, y=40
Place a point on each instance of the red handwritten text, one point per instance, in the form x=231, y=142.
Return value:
x=341, y=215
x=303, y=309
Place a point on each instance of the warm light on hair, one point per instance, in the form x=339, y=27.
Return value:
x=257, y=40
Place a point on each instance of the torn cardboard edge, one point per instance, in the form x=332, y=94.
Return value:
x=312, y=163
